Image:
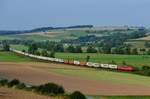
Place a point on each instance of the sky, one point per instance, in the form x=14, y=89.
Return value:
x=29, y=14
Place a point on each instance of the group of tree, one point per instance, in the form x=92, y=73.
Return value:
x=146, y=70
x=72, y=49
x=5, y=46
x=45, y=89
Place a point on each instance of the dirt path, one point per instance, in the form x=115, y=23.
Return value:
x=26, y=73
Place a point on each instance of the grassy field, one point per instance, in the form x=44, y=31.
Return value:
x=12, y=57
x=136, y=60
x=19, y=47
x=6, y=37
x=137, y=44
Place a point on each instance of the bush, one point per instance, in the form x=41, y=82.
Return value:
x=147, y=73
x=14, y=82
x=21, y=86
x=50, y=89
x=3, y=82
x=145, y=68
x=77, y=95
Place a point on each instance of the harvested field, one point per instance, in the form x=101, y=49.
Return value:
x=6, y=93
x=38, y=73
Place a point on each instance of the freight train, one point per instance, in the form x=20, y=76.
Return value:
x=78, y=63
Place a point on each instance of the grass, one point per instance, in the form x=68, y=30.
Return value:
x=19, y=47
x=135, y=60
x=6, y=37
x=12, y=57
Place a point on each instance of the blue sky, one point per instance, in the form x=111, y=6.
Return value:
x=28, y=14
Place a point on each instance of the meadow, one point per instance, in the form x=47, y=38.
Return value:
x=135, y=60
x=12, y=57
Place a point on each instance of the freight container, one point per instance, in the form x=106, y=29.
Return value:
x=89, y=64
x=104, y=65
x=66, y=61
x=71, y=62
x=96, y=65
x=113, y=66
x=77, y=62
x=83, y=63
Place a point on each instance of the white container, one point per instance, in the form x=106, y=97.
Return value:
x=77, y=62
x=113, y=66
x=104, y=65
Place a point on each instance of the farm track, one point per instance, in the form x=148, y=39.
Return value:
x=37, y=73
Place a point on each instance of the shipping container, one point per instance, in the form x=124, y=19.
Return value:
x=66, y=61
x=104, y=65
x=113, y=66
x=96, y=65
x=77, y=62
x=83, y=63
x=89, y=64
x=71, y=62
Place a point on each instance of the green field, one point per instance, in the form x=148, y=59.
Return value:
x=19, y=47
x=135, y=60
x=12, y=57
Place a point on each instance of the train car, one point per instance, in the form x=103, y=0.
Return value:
x=83, y=63
x=125, y=68
x=89, y=64
x=66, y=61
x=96, y=65
x=104, y=65
x=50, y=59
x=76, y=62
x=112, y=66
x=60, y=60
x=71, y=62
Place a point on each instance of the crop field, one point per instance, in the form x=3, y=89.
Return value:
x=136, y=44
x=54, y=35
x=135, y=60
x=88, y=81
x=6, y=93
x=57, y=35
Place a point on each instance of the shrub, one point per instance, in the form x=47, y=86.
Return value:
x=21, y=86
x=14, y=82
x=145, y=68
x=147, y=73
x=77, y=95
x=3, y=82
x=50, y=89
